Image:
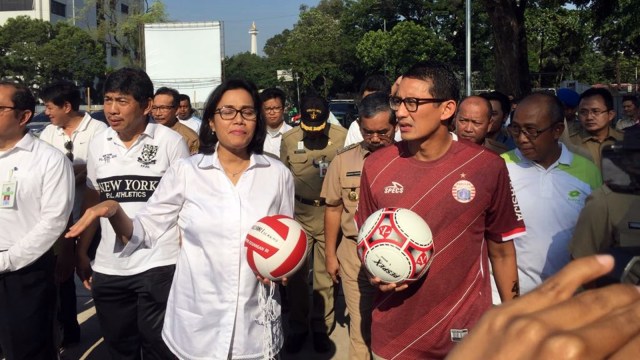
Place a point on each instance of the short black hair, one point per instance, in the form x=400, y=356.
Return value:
x=505, y=103
x=208, y=138
x=605, y=94
x=444, y=84
x=22, y=98
x=171, y=92
x=375, y=83
x=183, y=97
x=130, y=81
x=374, y=104
x=60, y=92
x=273, y=93
x=632, y=98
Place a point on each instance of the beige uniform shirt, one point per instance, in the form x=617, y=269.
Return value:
x=583, y=139
x=189, y=136
x=607, y=220
x=342, y=185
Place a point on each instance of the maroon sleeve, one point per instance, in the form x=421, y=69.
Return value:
x=366, y=204
x=504, y=218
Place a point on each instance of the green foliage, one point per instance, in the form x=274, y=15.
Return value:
x=407, y=43
x=251, y=67
x=38, y=53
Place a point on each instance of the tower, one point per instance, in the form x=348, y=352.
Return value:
x=254, y=38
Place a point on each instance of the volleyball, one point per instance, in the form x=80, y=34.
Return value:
x=276, y=247
x=396, y=245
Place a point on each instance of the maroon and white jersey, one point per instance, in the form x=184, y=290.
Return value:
x=465, y=197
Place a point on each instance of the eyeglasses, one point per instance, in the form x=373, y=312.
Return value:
x=5, y=108
x=275, y=109
x=595, y=112
x=528, y=131
x=68, y=145
x=382, y=134
x=410, y=103
x=162, y=108
x=229, y=113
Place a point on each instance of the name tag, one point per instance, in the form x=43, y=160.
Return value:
x=8, y=194
x=353, y=173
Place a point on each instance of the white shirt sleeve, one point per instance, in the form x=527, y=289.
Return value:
x=353, y=134
x=56, y=203
x=160, y=213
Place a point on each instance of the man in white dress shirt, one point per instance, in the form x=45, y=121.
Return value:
x=70, y=132
x=186, y=114
x=125, y=164
x=37, y=189
x=273, y=100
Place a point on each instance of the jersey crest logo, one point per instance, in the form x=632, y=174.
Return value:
x=394, y=188
x=463, y=191
x=148, y=155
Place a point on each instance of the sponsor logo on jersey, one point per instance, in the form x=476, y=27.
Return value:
x=394, y=188
x=148, y=155
x=463, y=191
x=574, y=196
x=516, y=206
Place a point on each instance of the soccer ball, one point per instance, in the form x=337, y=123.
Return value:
x=276, y=247
x=395, y=245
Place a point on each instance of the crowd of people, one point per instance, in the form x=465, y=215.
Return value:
x=151, y=211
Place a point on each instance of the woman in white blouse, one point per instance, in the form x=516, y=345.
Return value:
x=214, y=198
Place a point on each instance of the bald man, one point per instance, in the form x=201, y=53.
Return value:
x=473, y=122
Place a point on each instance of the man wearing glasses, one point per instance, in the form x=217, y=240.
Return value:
x=273, y=100
x=595, y=112
x=462, y=191
x=163, y=111
x=307, y=151
x=37, y=188
x=341, y=191
x=125, y=163
x=551, y=184
x=70, y=131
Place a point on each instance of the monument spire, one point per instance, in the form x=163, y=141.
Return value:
x=254, y=38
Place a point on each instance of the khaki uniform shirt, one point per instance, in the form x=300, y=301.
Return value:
x=342, y=185
x=583, y=139
x=607, y=220
x=495, y=146
x=189, y=136
x=309, y=168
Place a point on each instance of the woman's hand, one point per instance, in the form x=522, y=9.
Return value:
x=105, y=209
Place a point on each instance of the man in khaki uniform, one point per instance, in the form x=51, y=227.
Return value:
x=164, y=110
x=610, y=219
x=341, y=191
x=596, y=113
x=307, y=151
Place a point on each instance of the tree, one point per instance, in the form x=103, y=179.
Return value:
x=38, y=53
x=123, y=32
x=510, y=45
x=248, y=66
x=407, y=43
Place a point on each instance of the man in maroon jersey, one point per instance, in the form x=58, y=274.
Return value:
x=463, y=192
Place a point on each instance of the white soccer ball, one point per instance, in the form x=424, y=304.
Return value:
x=395, y=245
x=276, y=247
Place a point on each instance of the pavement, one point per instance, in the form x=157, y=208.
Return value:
x=91, y=346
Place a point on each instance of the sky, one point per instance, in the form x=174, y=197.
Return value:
x=271, y=18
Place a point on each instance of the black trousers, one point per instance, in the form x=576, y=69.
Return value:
x=27, y=311
x=131, y=312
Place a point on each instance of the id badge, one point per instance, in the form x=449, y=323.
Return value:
x=323, y=166
x=8, y=194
